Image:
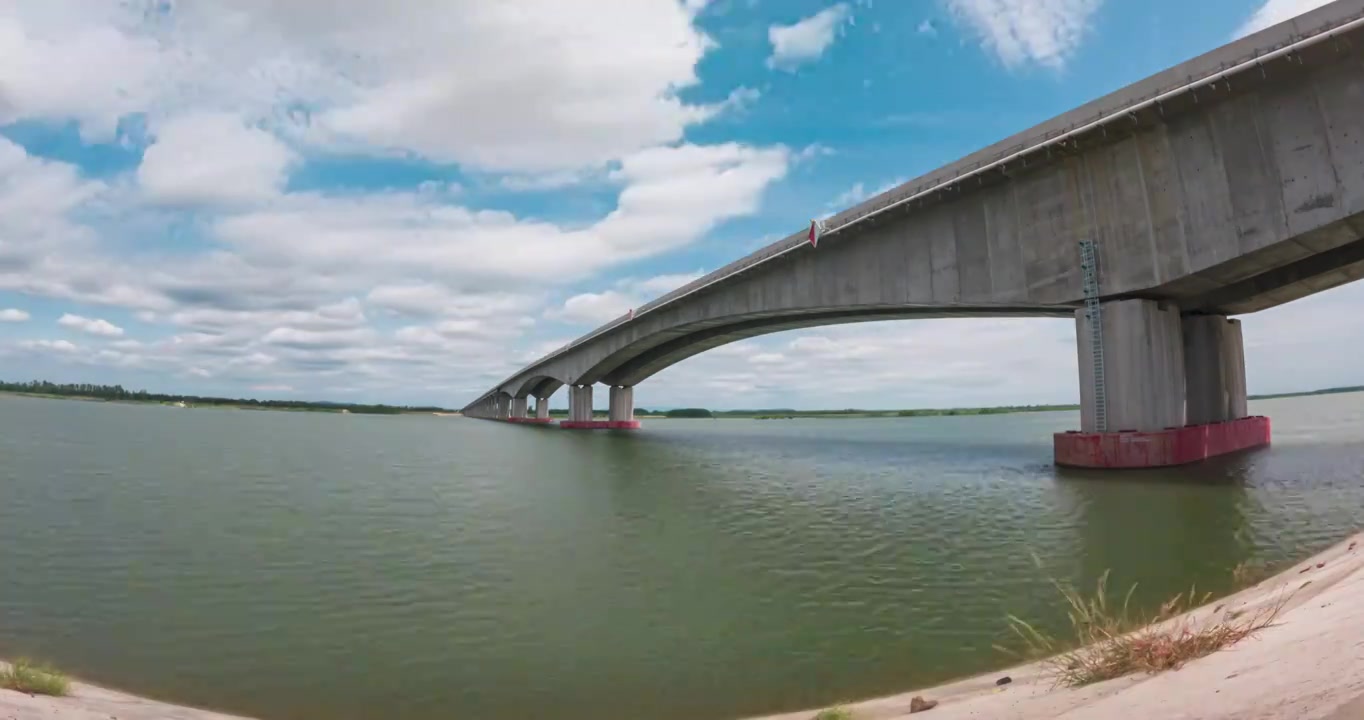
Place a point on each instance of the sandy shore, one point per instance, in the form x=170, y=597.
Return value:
x=1308, y=666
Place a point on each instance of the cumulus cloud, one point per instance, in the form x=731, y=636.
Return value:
x=62, y=347
x=602, y=307
x=358, y=76
x=595, y=308
x=13, y=315
x=905, y=363
x=1274, y=12
x=859, y=192
x=670, y=197
x=1045, y=32
x=213, y=158
x=90, y=326
x=806, y=40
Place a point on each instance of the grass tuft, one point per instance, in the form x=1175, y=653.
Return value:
x=837, y=712
x=1110, y=641
x=35, y=679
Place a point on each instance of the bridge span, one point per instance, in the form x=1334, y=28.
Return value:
x=1228, y=184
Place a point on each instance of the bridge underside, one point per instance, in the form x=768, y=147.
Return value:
x=1227, y=185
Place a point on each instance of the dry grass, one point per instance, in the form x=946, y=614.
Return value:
x=837, y=712
x=1110, y=641
x=34, y=679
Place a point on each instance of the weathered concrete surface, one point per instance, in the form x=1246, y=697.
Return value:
x=1309, y=665
x=1214, y=369
x=622, y=404
x=580, y=403
x=1143, y=366
x=1235, y=196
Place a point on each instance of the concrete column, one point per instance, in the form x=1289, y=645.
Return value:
x=622, y=404
x=1214, y=369
x=1143, y=366
x=503, y=407
x=518, y=407
x=580, y=403
x=542, y=408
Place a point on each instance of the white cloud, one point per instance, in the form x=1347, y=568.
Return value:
x=64, y=347
x=401, y=76
x=1045, y=32
x=595, y=308
x=1274, y=12
x=428, y=300
x=858, y=192
x=213, y=158
x=927, y=28
x=91, y=326
x=73, y=60
x=906, y=363
x=599, y=308
x=13, y=315
x=650, y=288
x=805, y=41
x=272, y=388
x=671, y=196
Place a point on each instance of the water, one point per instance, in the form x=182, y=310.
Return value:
x=299, y=565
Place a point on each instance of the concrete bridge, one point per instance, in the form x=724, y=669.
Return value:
x=1229, y=184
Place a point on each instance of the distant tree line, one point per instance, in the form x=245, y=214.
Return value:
x=1323, y=391
x=688, y=413
x=1001, y=410
x=118, y=392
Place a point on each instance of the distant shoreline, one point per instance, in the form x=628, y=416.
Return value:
x=116, y=394
x=226, y=404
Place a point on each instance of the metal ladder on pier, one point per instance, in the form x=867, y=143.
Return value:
x=1089, y=267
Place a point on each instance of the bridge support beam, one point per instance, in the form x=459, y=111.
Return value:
x=542, y=409
x=1174, y=390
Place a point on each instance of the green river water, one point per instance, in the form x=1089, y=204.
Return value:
x=308, y=566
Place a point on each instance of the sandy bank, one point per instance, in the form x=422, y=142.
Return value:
x=1308, y=666
x=88, y=702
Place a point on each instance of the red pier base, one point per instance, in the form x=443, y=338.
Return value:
x=1174, y=446
x=599, y=424
x=531, y=421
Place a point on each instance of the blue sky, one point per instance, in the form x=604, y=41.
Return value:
x=403, y=202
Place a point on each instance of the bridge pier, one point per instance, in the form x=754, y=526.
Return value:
x=521, y=411
x=1174, y=390
x=1214, y=369
x=622, y=412
x=622, y=415
x=503, y=408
